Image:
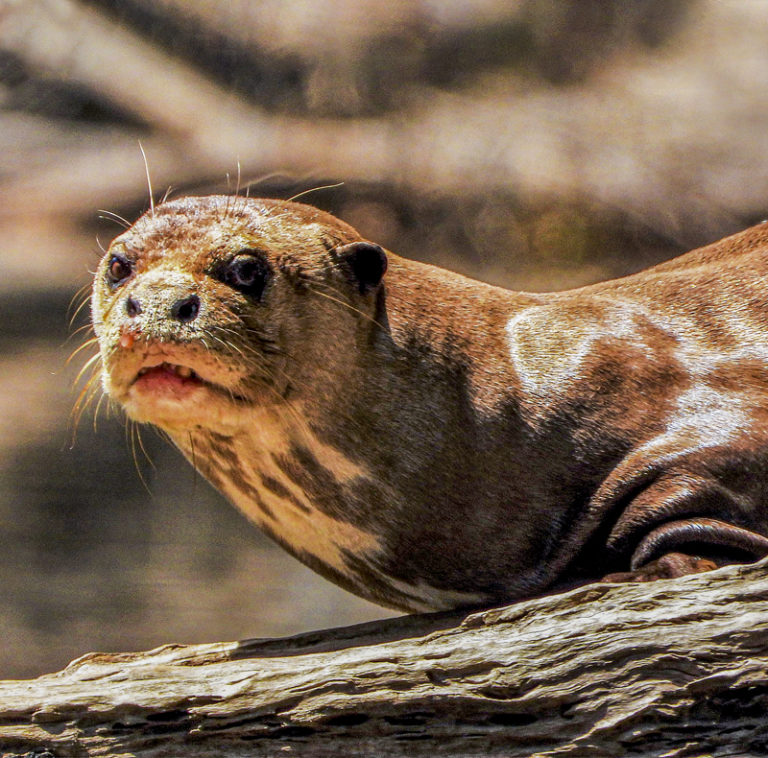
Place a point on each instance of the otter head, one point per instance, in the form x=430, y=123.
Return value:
x=210, y=307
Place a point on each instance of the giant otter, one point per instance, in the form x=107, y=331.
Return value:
x=429, y=441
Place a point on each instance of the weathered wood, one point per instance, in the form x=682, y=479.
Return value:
x=674, y=668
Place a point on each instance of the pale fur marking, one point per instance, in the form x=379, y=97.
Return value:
x=313, y=532
x=432, y=598
x=538, y=353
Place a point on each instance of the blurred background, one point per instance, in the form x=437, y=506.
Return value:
x=536, y=144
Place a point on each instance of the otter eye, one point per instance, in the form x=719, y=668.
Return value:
x=118, y=268
x=246, y=273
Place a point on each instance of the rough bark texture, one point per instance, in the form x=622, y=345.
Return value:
x=673, y=668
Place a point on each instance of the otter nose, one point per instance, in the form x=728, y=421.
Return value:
x=186, y=309
x=132, y=307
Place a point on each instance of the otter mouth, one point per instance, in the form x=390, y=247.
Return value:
x=185, y=373
x=176, y=381
x=172, y=380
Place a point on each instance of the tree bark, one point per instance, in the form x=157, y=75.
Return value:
x=672, y=668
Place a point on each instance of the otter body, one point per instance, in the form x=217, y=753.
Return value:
x=428, y=441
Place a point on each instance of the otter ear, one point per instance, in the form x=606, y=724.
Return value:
x=366, y=263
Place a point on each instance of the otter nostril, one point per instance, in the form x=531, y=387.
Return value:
x=132, y=307
x=186, y=309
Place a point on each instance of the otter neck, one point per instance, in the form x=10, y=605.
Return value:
x=434, y=343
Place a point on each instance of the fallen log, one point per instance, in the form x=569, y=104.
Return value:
x=672, y=668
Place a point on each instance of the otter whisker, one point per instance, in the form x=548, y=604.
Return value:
x=88, y=343
x=161, y=433
x=285, y=404
x=270, y=218
x=83, y=400
x=83, y=328
x=266, y=344
x=227, y=345
x=130, y=430
x=96, y=412
x=193, y=456
x=84, y=294
x=263, y=178
x=347, y=305
x=114, y=217
x=314, y=189
x=143, y=449
x=109, y=308
x=87, y=365
x=149, y=180
x=264, y=373
x=75, y=314
x=231, y=204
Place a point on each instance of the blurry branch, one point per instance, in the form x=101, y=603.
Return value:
x=70, y=40
x=638, y=138
x=198, y=120
x=361, y=57
x=603, y=670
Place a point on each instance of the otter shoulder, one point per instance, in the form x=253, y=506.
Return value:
x=557, y=345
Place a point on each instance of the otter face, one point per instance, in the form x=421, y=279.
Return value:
x=210, y=307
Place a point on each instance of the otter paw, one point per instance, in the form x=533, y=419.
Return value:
x=669, y=566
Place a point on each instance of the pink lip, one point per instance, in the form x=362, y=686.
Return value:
x=167, y=376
